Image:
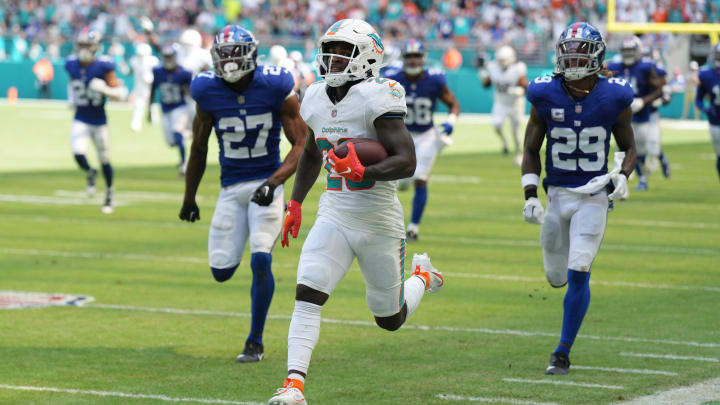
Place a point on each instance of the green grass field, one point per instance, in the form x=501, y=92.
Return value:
x=161, y=329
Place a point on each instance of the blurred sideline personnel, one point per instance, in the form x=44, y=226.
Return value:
x=647, y=84
x=246, y=104
x=302, y=72
x=510, y=80
x=423, y=87
x=710, y=87
x=359, y=214
x=577, y=110
x=92, y=78
x=193, y=58
x=174, y=84
x=142, y=65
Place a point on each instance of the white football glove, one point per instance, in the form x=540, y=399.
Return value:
x=621, y=188
x=533, y=211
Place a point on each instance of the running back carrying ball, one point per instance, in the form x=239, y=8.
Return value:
x=369, y=151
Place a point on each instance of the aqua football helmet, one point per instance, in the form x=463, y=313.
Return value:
x=580, y=51
x=361, y=55
x=234, y=53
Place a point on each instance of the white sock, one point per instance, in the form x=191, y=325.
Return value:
x=296, y=376
x=414, y=291
x=303, y=335
x=413, y=227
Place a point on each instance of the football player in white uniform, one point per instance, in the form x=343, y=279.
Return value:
x=142, y=65
x=359, y=214
x=194, y=58
x=510, y=80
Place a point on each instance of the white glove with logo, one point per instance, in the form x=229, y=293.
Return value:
x=621, y=188
x=533, y=211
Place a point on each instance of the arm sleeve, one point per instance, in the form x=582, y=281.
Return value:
x=196, y=88
x=385, y=99
x=284, y=85
x=626, y=97
x=108, y=66
x=531, y=92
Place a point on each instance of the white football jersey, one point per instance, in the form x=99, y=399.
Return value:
x=503, y=80
x=367, y=205
x=143, y=74
x=196, y=60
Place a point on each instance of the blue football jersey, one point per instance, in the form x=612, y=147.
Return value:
x=578, y=132
x=89, y=104
x=420, y=97
x=639, y=77
x=247, y=124
x=710, y=85
x=660, y=70
x=171, y=85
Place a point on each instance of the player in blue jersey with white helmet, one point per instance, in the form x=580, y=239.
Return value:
x=92, y=79
x=423, y=88
x=576, y=109
x=173, y=82
x=247, y=105
x=647, y=84
x=709, y=87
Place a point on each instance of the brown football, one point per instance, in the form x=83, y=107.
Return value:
x=369, y=151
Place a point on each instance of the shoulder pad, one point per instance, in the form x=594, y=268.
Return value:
x=382, y=86
x=436, y=72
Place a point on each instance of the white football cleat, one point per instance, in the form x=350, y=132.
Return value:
x=422, y=268
x=288, y=395
x=108, y=207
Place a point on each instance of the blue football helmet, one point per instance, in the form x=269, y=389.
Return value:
x=580, y=51
x=413, y=48
x=87, y=44
x=169, y=56
x=631, y=50
x=234, y=53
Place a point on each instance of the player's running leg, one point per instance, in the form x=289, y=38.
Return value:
x=325, y=259
x=715, y=136
x=514, y=129
x=101, y=137
x=641, y=138
x=228, y=233
x=79, y=138
x=264, y=224
x=426, y=151
x=587, y=227
x=498, y=118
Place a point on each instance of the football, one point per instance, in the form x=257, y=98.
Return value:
x=369, y=151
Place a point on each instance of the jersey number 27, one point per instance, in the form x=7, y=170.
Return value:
x=236, y=130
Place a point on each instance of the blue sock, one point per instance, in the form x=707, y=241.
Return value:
x=180, y=144
x=223, y=274
x=261, y=292
x=577, y=300
x=108, y=173
x=82, y=162
x=717, y=165
x=639, y=165
x=663, y=159
x=419, y=202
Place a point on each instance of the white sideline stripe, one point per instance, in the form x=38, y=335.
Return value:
x=498, y=277
x=624, y=370
x=701, y=392
x=448, y=178
x=45, y=199
x=508, y=332
x=488, y=400
x=570, y=383
x=188, y=259
x=100, y=255
x=125, y=395
x=670, y=357
x=130, y=195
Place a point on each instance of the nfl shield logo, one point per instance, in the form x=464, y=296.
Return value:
x=241, y=99
x=333, y=113
x=578, y=109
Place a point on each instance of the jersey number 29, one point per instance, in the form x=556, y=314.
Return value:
x=590, y=141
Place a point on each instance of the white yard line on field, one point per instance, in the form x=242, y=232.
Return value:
x=130, y=195
x=489, y=400
x=125, y=395
x=448, y=178
x=51, y=200
x=701, y=392
x=101, y=255
x=505, y=332
x=670, y=357
x=624, y=370
x=569, y=383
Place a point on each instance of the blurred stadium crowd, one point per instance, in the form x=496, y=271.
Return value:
x=35, y=29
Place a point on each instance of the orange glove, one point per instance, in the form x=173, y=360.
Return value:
x=349, y=166
x=292, y=222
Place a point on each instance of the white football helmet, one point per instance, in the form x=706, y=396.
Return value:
x=296, y=56
x=190, y=39
x=277, y=54
x=505, y=56
x=364, y=60
x=142, y=49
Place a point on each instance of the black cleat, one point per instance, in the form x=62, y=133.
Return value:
x=559, y=364
x=411, y=237
x=91, y=176
x=252, y=353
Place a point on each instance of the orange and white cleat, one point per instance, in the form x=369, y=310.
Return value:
x=292, y=393
x=422, y=268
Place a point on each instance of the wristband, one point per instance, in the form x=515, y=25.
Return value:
x=530, y=179
x=531, y=193
x=451, y=119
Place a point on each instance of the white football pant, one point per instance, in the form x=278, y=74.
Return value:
x=426, y=150
x=236, y=217
x=715, y=137
x=176, y=120
x=330, y=249
x=500, y=112
x=572, y=232
x=81, y=134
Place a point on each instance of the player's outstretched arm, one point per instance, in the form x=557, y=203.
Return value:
x=295, y=132
x=398, y=143
x=700, y=99
x=449, y=99
x=531, y=165
x=625, y=139
x=201, y=128
x=110, y=86
x=308, y=168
